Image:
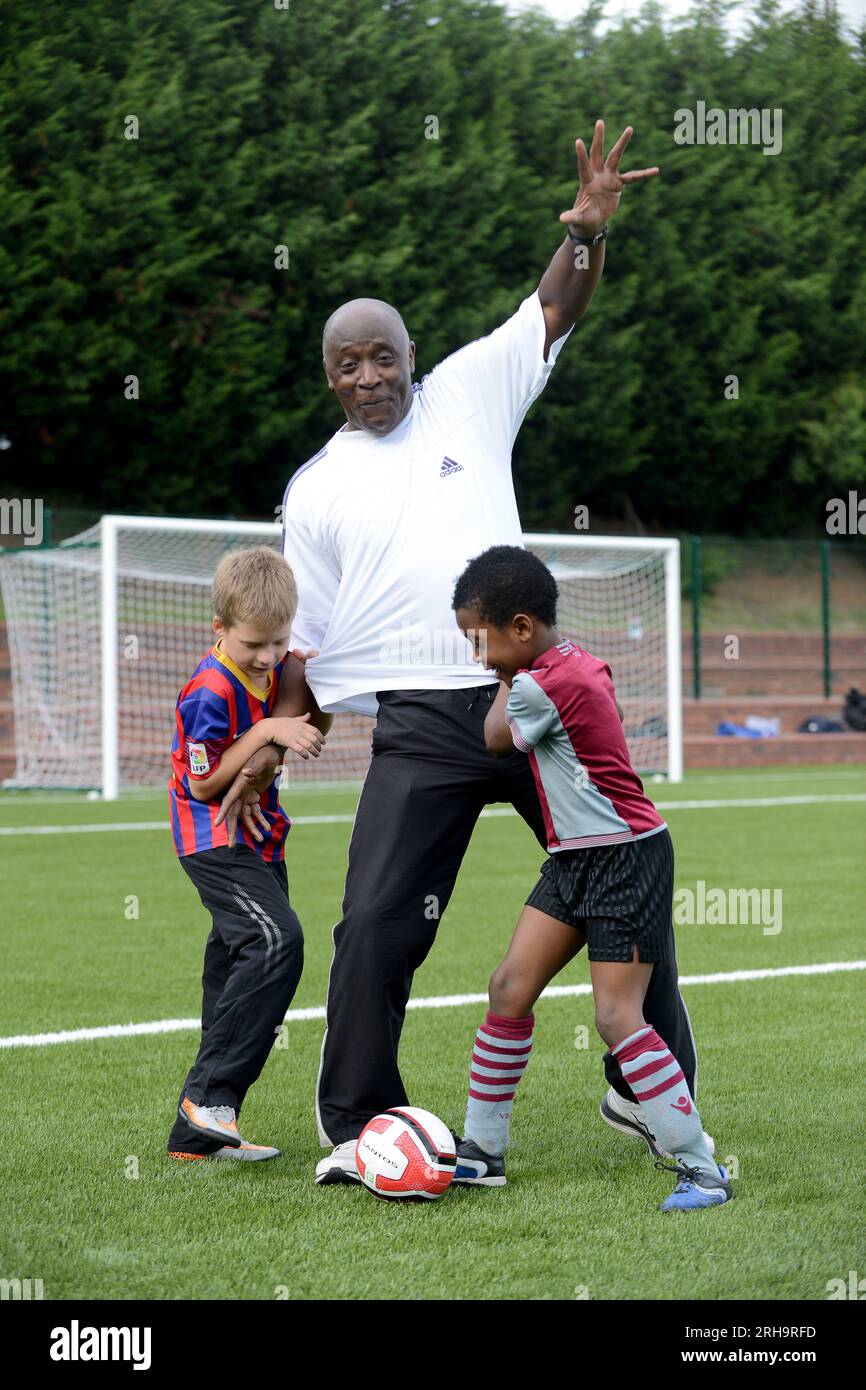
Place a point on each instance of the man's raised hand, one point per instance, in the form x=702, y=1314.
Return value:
x=601, y=183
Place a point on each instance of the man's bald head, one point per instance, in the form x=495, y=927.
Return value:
x=369, y=360
x=360, y=319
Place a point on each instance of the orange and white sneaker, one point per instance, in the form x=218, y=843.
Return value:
x=249, y=1153
x=212, y=1121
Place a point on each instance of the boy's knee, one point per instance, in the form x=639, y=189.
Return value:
x=615, y=1020
x=277, y=948
x=507, y=994
x=284, y=927
x=290, y=960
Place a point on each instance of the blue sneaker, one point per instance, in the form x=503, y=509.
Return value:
x=696, y=1188
x=475, y=1168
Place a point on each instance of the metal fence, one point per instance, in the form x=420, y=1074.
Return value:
x=812, y=590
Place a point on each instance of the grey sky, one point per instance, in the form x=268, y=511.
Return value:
x=854, y=11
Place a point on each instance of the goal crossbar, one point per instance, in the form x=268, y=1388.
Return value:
x=149, y=577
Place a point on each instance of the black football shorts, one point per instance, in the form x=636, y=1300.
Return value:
x=620, y=895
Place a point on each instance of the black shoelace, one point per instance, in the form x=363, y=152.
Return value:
x=685, y=1174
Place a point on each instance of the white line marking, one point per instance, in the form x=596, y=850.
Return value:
x=492, y=811
x=439, y=1001
x=84, y=829
x=814, y=772
x=760, y=801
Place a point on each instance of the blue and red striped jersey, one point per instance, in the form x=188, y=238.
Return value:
x=215, y=707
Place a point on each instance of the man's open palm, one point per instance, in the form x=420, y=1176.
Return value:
x=601, y=183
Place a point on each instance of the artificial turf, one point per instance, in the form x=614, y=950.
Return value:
x=93, y=1207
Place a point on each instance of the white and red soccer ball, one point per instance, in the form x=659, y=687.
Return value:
x=406, y=1153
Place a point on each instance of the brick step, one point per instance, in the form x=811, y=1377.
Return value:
x=700, y=750
x=853, y=661
x=702, y=716
x=779, y=643
x=737, y=684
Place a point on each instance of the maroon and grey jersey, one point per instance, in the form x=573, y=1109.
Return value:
x=562, y=712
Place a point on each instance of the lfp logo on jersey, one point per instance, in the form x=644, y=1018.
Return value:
x=198, y=760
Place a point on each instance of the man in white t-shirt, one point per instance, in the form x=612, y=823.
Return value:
x=377, y=527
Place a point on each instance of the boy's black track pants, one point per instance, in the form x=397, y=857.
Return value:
x=252, y=964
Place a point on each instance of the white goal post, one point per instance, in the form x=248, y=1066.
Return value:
x=105, y=628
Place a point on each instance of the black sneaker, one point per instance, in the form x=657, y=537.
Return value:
x=628, y=1117
x=475, y=1168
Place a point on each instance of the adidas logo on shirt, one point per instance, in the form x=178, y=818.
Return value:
x=449, y=466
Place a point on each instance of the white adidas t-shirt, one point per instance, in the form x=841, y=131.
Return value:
x=378, y=529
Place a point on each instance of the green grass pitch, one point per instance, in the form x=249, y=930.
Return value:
x=94, y=1208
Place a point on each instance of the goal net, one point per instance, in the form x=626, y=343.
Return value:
x=105, y=628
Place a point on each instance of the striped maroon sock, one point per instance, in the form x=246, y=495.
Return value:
x=499, y=1058
x=656, y=1078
